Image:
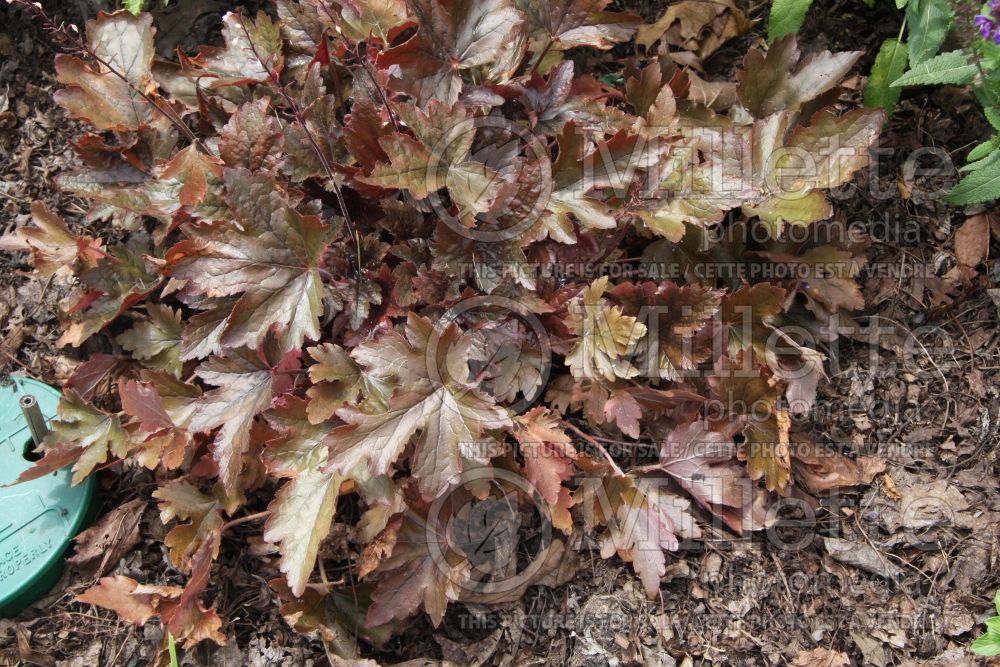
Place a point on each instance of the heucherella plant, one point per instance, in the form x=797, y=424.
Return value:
x=401, y=267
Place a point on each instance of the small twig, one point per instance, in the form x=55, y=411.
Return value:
x=20, y=363
x=41, y=298
x=598, y=446
x=245, y=519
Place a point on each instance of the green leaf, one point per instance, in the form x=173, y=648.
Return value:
x=981, y=185
x=786, y=18
x=983, y=149
x=929, y=22
x=951, y=68
x=890, y=63
x=989, y=51
x=992, y=157
x=172, y=650
x=993, y=116
x=134, y=6
x=901, y=4
x=996, y=601
x=987, y=644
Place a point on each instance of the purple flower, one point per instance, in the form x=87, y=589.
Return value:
x=987, y=24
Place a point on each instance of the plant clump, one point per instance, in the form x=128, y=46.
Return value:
x=404, y=268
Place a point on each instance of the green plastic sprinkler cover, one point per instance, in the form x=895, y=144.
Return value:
x=37, y=518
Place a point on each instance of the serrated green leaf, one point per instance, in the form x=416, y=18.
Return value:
x=980, y=186
x=786, y=18
x=929, y=22
x=890, y=63
x=993, y=156
x=948, y=68
x=992, y=116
